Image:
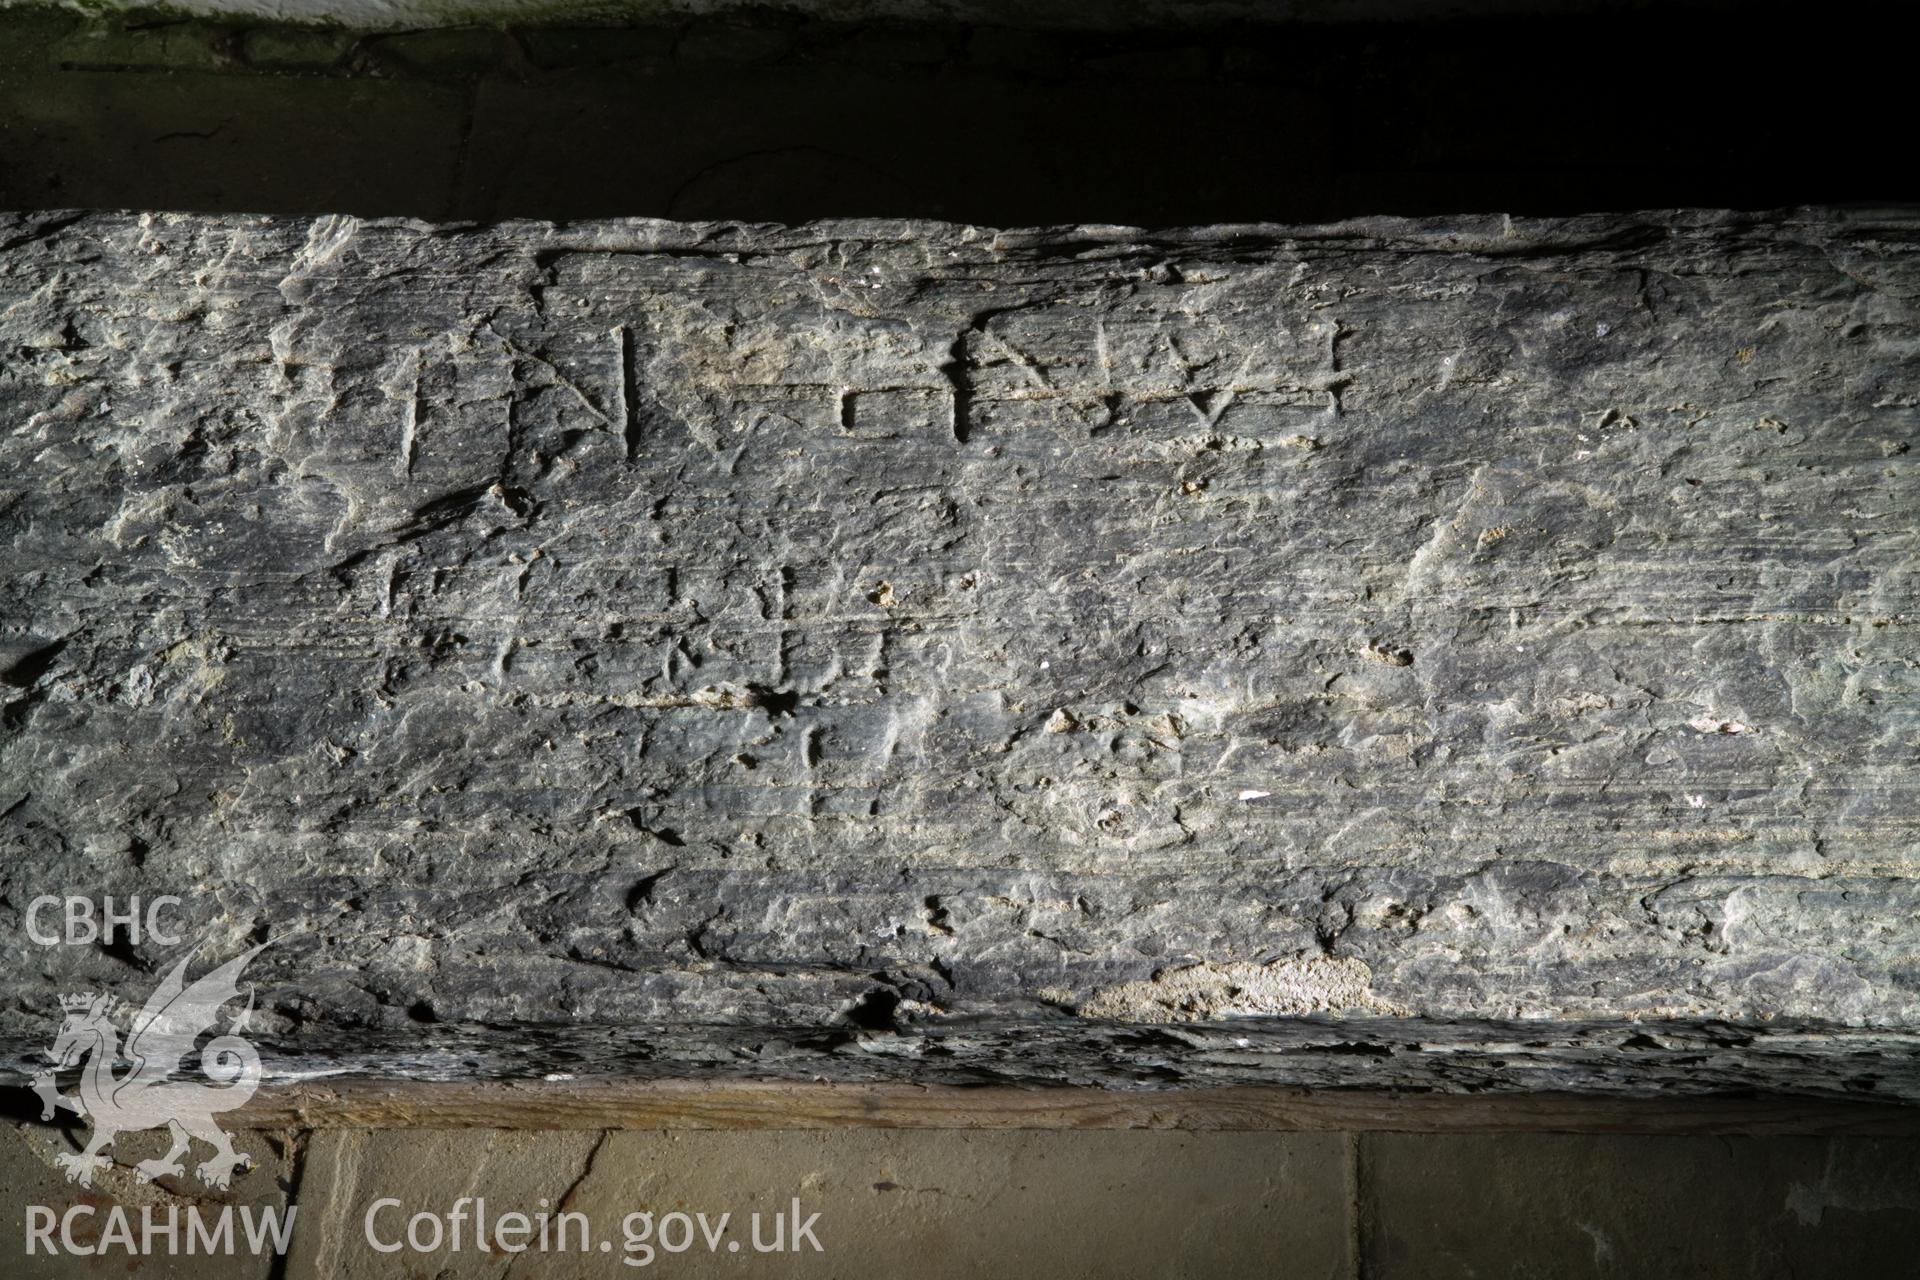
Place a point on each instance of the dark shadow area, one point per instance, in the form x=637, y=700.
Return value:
x=779, y=118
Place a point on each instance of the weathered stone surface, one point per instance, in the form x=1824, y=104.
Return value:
x=416, y=14
x=1395, y=653
x=1525, y=1205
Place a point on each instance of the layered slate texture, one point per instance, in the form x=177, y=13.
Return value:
x=1458, y=654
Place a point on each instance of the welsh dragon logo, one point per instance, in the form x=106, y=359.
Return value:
x=145, y=1095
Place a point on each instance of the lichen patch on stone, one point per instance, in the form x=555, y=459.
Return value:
x=1203, y=992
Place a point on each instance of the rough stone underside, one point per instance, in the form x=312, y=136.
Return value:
x=1435, y=654
x=1165, y=14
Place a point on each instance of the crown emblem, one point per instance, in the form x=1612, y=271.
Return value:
x=76, y=1001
